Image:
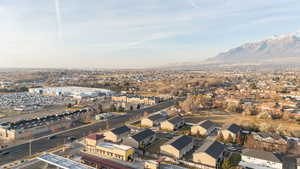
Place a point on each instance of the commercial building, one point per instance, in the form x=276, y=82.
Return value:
x=98, y=162
x=210, y=154
x=117, y=134
x=71, y=91
x=93, y=139
x=172, y=124
x=136, y=99
x=30, y=128
x=112, y=151
x=203, y=128
x=177, y=147
x=152, y=120
x=141, y=139
x=260, y=159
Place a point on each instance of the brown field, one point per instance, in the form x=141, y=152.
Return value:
x=284, y=126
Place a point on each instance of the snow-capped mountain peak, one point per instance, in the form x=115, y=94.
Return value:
x=277, y=46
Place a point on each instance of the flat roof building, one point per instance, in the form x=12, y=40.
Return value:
x=113, y=151
x=71, y=91
x=260, y=159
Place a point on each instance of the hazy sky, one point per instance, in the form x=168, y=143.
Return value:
x=134, y=33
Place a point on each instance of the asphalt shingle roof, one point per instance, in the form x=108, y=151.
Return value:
x=207, y=124
x=233, y=128
x=156, y=117
x=180, y=142
x=142, y=135
x=120, y=130
x=212, y=148
x=175, y=120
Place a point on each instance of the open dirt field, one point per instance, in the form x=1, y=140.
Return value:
x=281, y=125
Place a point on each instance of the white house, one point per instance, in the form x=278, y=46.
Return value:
x=260, y=159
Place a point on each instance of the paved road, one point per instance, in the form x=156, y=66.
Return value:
x=43, y=144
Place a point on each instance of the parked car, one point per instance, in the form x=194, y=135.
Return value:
x=51, y=137
x=71, y=138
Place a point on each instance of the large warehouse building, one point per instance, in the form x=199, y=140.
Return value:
x=71, y=91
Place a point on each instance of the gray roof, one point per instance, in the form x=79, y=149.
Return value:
x=265, y=155
x=180, y=142
x=120, y=130
x=143, y=135
x=233, y=128
x=156, y=117
x=175, y=120
x=212, y=148
x=207, y=124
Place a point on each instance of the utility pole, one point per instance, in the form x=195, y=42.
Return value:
x=30, y=147
x=64, y=145
x=107, y=124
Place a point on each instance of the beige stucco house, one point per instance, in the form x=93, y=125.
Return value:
x=210, y=154
x=172, y=124
x=117, y=134
x=153, y=120
x=203, y=128
x=231, y=130
x=177, y=147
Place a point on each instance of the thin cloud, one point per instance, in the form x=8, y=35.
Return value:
x=58, y=20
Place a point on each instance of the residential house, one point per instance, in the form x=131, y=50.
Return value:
x=260, y=159
x=177, y=147
x=141, y=139
x=153, y=120
x=210, y=154
x=231, y=130
x=172, y=123
x=203, y=128
x=117, y=134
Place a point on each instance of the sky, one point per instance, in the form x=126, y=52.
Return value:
x=134, y=33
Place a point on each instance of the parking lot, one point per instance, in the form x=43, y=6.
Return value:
x=27, y=99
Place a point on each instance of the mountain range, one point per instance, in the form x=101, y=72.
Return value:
x=276, y=49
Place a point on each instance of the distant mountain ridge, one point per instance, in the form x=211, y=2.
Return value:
x=276, y=49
